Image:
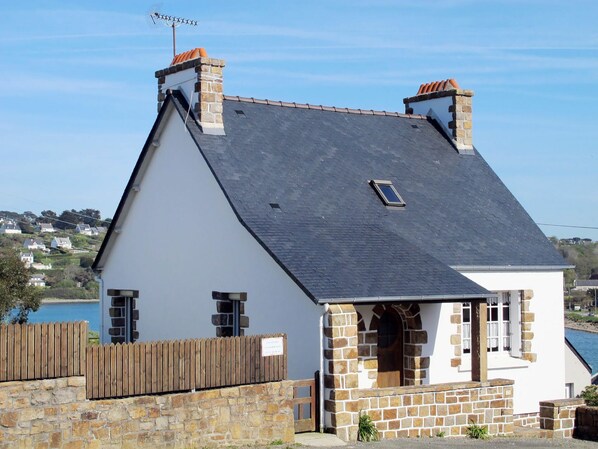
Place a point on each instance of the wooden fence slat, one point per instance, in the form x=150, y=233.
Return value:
x=146, y=368
x=69, y=349
x=63, y=369
x=44, y=351
x=101, y=373
x=131, y=365
x=214, y=353
x=74, y=359
x=119, y=370
x=21, y=352
x=84, y=345
x=3, y=353
x=125, y=357
x=201, y=365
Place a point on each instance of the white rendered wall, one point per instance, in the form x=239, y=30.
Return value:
x=576, y=372
x=440, y=106
x=184, y=80
x=534, y=382
x=181, y=240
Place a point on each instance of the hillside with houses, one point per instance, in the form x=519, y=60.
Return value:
x=57, y=249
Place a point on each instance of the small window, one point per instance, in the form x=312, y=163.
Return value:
x=387, y=193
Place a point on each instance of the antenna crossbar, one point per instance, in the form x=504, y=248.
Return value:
x=172, y=22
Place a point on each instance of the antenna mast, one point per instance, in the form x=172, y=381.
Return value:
x=172, y=22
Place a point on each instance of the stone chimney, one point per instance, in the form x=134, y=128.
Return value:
x=450, y=106
x=199, y=78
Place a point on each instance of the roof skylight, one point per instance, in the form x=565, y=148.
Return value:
x=387, y=193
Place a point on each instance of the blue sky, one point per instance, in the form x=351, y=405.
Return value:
x=79, y=94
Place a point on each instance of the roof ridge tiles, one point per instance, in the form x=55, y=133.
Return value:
x=287, y=104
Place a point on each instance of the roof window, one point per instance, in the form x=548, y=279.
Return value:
x=387, y=193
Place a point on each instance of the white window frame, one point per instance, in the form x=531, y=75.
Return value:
x=503, y=336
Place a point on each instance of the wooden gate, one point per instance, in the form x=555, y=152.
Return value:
x=305, y=404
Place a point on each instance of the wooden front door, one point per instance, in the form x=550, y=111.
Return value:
x=390, y=350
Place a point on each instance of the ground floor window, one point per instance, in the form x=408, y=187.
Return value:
x=123, y=316
x=503, y=324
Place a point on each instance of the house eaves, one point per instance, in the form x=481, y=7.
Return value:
x=151, y=143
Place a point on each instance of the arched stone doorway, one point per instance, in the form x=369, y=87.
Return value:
x=390, y=350
x=414, y=364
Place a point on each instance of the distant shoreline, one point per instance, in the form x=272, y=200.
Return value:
x=585, y=327
x=67, y=301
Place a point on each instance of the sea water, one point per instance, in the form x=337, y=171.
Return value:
x=68, y=311
x=586, y=344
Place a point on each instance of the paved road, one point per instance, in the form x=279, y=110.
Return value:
x=493, y=443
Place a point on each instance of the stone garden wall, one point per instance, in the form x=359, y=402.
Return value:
x=54, y=413
x=442, y=409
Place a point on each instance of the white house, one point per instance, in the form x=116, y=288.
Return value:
x=27, y=259
x=585, y=285
x=10, y=228
x=381, y=242
x=33, y=244
x=46, y=227
x=37, y=280
x=61, y=242
x=83, y=229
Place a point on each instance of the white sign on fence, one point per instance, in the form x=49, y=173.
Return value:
x=272, y=346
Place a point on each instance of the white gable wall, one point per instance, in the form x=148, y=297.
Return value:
x=534, y=382
x=180, y=240
x=576, y=372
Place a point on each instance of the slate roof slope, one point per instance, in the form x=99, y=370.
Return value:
x=318, y=164
x=332, y=234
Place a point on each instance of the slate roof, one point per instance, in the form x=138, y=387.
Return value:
x=332, y=234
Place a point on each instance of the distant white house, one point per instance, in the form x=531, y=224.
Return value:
x=27, y=259
x=585, y=284
x=578, y=373
x=83, y=229
x=33, y=244
x=37, y=280
x=46, y=227
x=10, y=228
x=61, y=242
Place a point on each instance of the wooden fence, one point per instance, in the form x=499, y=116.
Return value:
x=50, y=350
x=168, y=366
x=42, y=351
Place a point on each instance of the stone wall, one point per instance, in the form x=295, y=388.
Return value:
x=586, y=423
x=558, y=417
x=527, y=420
x=55, y=414
x=340, y=370
x=418, y=411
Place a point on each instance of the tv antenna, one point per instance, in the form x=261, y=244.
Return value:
x=172, y=22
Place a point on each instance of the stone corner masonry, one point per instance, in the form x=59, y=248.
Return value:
x=200, y=80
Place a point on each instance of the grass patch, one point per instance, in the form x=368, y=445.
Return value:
x=477, y=432
x=367, y=429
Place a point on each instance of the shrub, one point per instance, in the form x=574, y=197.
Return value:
x=590, y=395
x=367, y=429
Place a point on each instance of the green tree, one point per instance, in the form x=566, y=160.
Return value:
x=90, y=216
x=15, y=294
x=68, y=219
